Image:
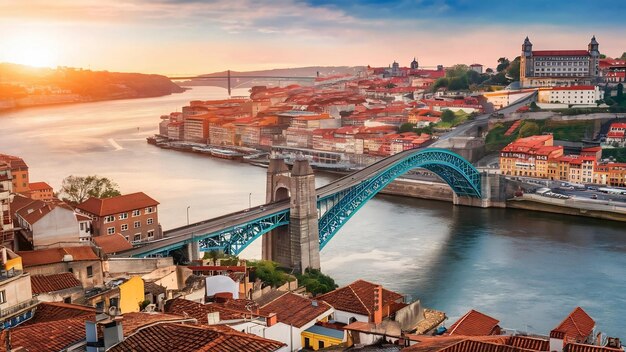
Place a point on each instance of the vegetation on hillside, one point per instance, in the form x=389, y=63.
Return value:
x=619, y=154
x=272, y=275
x=572, y=131
x=90, y=84
x=77, y=189
x=316, y=282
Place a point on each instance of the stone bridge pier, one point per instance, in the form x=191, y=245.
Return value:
x=296, y=245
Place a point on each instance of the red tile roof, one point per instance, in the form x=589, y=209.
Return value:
x=577, y=347
x=575, y=88
x=296, y=310
x=193, y=338
x=529, y=343
x=54, y=282
x=112, y=243
x=131, y=322
x=199, y=311
x=34, y=211
x=114, y=205
x=39, y=186
x=14, y=161
x=576, y=327
x=50, y=336
x=53, y=311
x=560, y=53
x=474, y=323
x=56, y=255
x=358, y=297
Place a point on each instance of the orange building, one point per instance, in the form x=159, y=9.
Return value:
x=19, y=172
x=530, y=157
x=41, y=191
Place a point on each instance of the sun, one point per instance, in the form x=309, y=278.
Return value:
x=32, y=49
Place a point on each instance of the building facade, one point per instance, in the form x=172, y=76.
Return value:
x=6, y=188
x=547, y=68
x=133, y=215
x=571, y=95
x=16, y=296
x=19, y=172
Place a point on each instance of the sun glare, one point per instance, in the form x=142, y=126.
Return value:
x=32, y=49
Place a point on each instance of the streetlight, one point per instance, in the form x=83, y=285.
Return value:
x=249, y=200
x=189, y=206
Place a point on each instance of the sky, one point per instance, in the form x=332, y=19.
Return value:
x=177, y=37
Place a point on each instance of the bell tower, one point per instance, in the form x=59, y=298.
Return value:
x=526, y=62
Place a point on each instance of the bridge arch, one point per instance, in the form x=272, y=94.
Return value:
x=336, y=209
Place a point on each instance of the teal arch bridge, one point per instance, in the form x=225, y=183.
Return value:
x=336, y=203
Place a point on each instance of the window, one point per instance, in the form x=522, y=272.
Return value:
x=149, y=210
x=307, y=342
x=3, y=297
x=150, y=221
x=110, y=230
x=137, y=224
x=70, y=270
x=109, y=218
x=123, y=216
x=124, y=227
x=136, y=212
x=320, y=344
x=90, y=271
x=151, y=234
x=82, y=226
x=137, y=237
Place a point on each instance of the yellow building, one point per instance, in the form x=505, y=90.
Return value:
x=127, y=296
x=318, y=337
x=529, y=156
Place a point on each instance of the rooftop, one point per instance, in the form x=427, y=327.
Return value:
x=295, y=310
x=54, y=282
x=358, y=297
x=56, y=255
x=577, y=326
x=39, y=186
x=112, y=243
x=474, y=323
x=119, y=204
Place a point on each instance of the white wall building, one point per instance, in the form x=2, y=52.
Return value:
x=572, y=95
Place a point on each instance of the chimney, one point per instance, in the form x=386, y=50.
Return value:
x=378, y=304
x=4, y=256
x=113, y=333
x=272, y=319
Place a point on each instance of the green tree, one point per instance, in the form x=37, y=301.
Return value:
x=406, y=127
x=268, y=272
x=390, y=85
x=77, y=189
x=609, y=101
x=620, y=92
x=503, y=63
x=440, y=83
x=458, y=70
x=447, y=116
x=623, y=57
x=513, y=70
x=489, y=70
x=529, y=129
x=533, y=106
x=316, y=282
x=602, y=56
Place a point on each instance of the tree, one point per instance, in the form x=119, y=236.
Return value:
x=316, y=282
x=447, y=116
x=620, y=91
x=489, y=70
x=513, y=70
x=623, y=57
x=609, y=101
x=407, y=127
x=529, y=129
x=77, y=189
x=268, y=272
x=390, y=85
x=458, y=70
x=602, y=56
x=533, y=106
x=503, y=63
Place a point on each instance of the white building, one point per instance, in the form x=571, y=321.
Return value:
x=571, y=95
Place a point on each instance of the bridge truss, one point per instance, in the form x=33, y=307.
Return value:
x=335, y=210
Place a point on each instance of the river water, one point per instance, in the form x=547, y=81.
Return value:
x=527, y=269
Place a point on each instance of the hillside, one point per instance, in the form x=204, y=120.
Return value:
x=22, y=86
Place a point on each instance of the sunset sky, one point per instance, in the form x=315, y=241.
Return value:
x=195, y=36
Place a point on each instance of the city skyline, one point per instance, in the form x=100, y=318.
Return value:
x=193, y=37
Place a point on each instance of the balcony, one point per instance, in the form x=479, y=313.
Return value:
x=18, y=308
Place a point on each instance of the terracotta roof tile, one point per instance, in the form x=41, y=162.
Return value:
x=578, y=347
x=55, y=255
x=474, y=323
x=199, y=311
x=133, y=321
x=52, y=311
x=54, y=282
x=576, y=327
x=193, y=338
x=119, y=204
x=112, y=243
x=358, y=297
x=530, y=343
x=39, y=186
x=560, y=53
x=50, y=336
x=295, y=310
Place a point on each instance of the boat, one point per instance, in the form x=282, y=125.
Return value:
x=226, y=154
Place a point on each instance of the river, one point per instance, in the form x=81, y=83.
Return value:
x=527, y=269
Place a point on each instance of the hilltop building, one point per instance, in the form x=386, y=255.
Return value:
x=19, y=172
x=547, y=68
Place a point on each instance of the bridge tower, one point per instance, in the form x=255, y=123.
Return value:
x=295, y=246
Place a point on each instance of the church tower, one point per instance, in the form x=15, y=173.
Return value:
x=414, y=64
x=594, y=52
x=526, y=62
